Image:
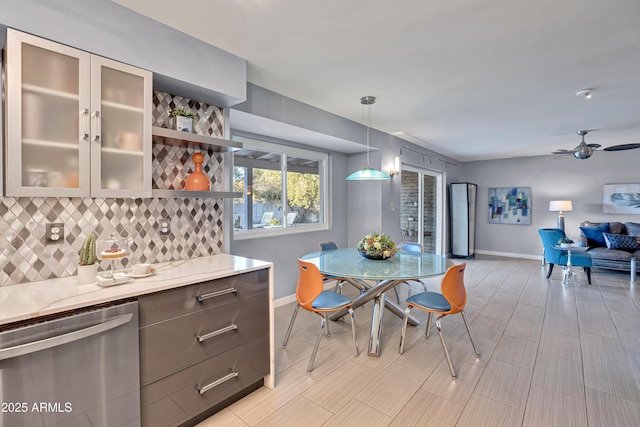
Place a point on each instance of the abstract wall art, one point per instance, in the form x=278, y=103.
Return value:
x=621, y=198
x=510, y=205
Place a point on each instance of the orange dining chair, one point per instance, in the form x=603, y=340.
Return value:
x=330, y=246
x=412, y=248
x=312, y=297
x=452, y=300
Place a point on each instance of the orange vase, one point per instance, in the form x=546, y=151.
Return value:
x=198, y=180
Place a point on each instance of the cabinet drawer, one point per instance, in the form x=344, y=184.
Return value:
x=170, y=346
x=177, y=398
x=201, y=296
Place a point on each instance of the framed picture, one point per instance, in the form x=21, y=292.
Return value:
x=510, y=205
x=621, y=198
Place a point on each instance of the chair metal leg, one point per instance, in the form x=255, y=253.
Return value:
x=338, y=287
x=444, y=347
x=293, y=319
x=404, y=329
x=429, y=320
x=323, y=324
x=473, y=339
x=327, y=324
x=395, y=289
x=353, y=330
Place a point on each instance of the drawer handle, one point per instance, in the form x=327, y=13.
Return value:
x=205, y=388
x=231, y=327
x=203, y=297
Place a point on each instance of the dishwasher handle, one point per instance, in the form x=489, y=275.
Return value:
x=32, y=347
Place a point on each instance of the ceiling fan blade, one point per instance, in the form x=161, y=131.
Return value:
x=594, y=146
x=622, y=147
x=563, y=151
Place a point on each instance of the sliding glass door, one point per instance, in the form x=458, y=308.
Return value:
x=422, y=208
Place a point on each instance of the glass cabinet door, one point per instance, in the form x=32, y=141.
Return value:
x=121, y=129
x=47, y=118
x=78, y=125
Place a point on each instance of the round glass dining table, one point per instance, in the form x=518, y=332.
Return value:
x=374, y=277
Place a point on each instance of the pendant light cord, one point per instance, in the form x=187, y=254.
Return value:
x=368, y=130
x=367, y=101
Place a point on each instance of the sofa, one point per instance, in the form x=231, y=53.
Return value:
x=612, y=245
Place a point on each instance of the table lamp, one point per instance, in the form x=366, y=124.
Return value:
x=560, y=205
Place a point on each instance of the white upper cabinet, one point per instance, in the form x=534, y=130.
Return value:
x=121, y=98
x=78, y=125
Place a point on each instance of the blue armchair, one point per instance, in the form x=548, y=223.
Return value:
x=550, y=237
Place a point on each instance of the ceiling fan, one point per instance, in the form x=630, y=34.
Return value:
x=584, y=151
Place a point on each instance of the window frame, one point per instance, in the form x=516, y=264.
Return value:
x=287, y=151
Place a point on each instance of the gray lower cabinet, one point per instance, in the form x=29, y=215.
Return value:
x=202, y=346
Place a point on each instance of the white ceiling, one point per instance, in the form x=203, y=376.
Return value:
x=471, y=79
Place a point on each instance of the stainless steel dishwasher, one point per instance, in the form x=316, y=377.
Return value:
x=78, y=370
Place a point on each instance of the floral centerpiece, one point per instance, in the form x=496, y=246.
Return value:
x=377, y=246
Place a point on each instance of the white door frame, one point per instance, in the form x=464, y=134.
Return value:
x=440, y=206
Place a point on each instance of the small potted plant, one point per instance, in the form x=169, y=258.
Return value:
x=183, y=119
x=88, y=266
x=565, y=242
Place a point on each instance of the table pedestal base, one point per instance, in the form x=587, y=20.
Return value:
x=375, y=293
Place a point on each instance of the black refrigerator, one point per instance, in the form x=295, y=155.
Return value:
x=462, y=219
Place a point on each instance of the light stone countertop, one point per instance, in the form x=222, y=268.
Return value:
x=30, y=300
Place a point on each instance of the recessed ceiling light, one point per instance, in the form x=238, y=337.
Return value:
x=586, y=93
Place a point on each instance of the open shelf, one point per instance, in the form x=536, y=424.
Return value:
x=173, y=137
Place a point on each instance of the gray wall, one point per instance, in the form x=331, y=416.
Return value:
x=550, y=178
x=283, y=251
x=356, y=208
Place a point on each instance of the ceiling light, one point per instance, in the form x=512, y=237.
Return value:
x=586, y=93
x=367, y=173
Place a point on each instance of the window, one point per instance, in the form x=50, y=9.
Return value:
x=284, y=189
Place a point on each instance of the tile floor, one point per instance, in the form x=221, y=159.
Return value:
x=550, y=356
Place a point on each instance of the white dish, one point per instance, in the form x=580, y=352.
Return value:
x=140, y=276
x=117, y=279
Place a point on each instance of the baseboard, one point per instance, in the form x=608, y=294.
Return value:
x=284, y=301
x=292, y=298
x=509, y=254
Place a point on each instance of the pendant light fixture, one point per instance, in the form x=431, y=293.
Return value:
x=368, y=173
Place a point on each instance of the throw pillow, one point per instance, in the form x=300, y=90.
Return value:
x=621, y=241
x=594, y=234
x=633, y=228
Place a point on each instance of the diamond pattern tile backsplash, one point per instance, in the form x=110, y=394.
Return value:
x=196, y=223
x=171, y=164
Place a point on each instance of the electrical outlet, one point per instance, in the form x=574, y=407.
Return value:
x=55, y=232
x=164, y=227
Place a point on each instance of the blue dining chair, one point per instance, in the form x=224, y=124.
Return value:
x=311, y=296
x=550, y=237
x=330, y=246
x=412, y=248
x=451, y=300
